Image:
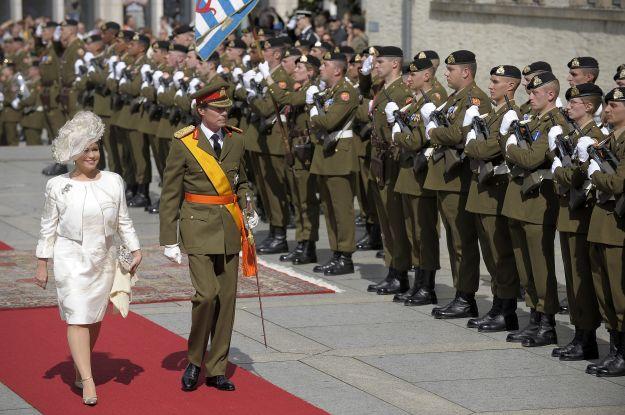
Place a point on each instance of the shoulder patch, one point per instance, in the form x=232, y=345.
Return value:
x=408, y=100
x=185, y=131
x=80, y=52
x=282, y=84
x=476, y=101
x=345, y=96
x=436, y=96
x=231, y=128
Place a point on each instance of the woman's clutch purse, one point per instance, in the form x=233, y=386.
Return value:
x=124, y=256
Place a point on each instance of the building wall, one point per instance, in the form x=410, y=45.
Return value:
x=504, y=39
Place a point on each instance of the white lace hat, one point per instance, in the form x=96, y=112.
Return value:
x=84, y=129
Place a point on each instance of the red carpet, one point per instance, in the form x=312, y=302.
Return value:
x=5, y=247
x=137, y=366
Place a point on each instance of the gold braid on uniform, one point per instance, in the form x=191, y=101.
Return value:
x=185, y=131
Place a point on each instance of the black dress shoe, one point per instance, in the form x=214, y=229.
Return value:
x=372, y=240
x=268, y=239
x=277, y=245
x=293, y=254
x=220, y=382
x=462, y=306
x=616, y=366
x=190, y=377
x=397, y=285
x=531, y=328
x=505, y=320
x=308, y=254
x=444, y=307
x=343, y=265
x=155, y=207
x=380, y=254
x=54, y=169
x=582, y=347
x=495, y=310
x=425, y=294
x=141, y=199
x=545, y=335
x=418, y=282
x=322, y=267
x=372, y=288
x=592, y=368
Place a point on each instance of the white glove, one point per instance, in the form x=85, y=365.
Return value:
x=370, y=106
x=258, y=77
x=559, y=103
x=322, y=85
x=144, y=84
x=111, y=62
x=77, y=65
x=470, y=136
x=310, y=93
x=582, y=148
x=592, y=168
x=605, y=130
x=472, y=111
x=251, y=94
x=193, y=85
x=1, y=98
x=313, y=112
x=236, y=72
x=390, y=108
x=554, y=132
x=172, y=252
x=367, y=65
x=247, y=77
x=16, y=104
x=119, y=68
x=246, y=60
x=428, y=127
x=396, y=129
x=292, y=23
x=160, y=89
x=263, y=68
x=91, y=69
x=253, y=221
x=87, y=58
x=179, y=93
x=507, y=120
x=512, y=140
x=57, y=34
x=122, y=81
x=156, y=78
x=39, y=30
x=145, y=68
x=220, y=69
x=556, y=163
x=426, y=111
x=179, y=75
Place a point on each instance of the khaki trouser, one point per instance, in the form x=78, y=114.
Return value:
x=214, y=278
x=462, y=240
x=140, y=153
x=110, y=146
x=273, y=188
x=32, y=136
x=126, y=162
x=10, y=133
x=608, y=274
x=422, y=230
x=337, y=201
x=303, y=187
x=533, y=247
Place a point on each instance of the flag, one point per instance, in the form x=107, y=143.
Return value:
x=215, y=20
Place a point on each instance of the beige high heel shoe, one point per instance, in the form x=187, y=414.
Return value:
x=92, y=400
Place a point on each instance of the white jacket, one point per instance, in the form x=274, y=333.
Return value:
x=62, y=213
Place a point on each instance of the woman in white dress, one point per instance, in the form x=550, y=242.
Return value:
x=83, y=211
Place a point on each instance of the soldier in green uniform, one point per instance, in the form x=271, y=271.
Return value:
x=573, y=219
x=449, y=174
x=486, y=197
x=437, y=87
x=606, y=235
x=532, y=208
x=74, y=50
x=302, y=183
x=335, y=162
x=529, y=72
x=33, y=120
x=206, y=163
x=619, y=76
x=419, y=204
x=11, y=114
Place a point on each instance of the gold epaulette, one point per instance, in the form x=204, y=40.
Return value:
x=234, y=129
x=185, y=131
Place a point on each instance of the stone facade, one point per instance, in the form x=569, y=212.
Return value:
x=504, y=32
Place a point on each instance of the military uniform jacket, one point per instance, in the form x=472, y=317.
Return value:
x=50, y=69
x=165, y=97
x=148, y=99
x=341, y=102
x=204, y=229
x=540, y=207
x=32, y=108
x=75, y=50
x=102, y=95
x=130, y=90
x=459, y=179
x=577, y=220
x=488, y=198
x=9, y=114
x=605, y=227
x=409, y=182
x=113, y=85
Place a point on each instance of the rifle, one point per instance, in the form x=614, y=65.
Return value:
x=608, y=163
x=522, y=133
x=484, y=169
x=565, y=149
x=329, y=141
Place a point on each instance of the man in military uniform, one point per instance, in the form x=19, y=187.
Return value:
x=437, y=87
x=606, y=235
x=573, y=219
x=449, y=174
x=334, y=161
x=11, y=114
x=33, y=119
x=419, y=204
x=532, y=208
x=205, y=170
x=304, y=26
x=74, y=50
x=486, y=197
x=357, y=39
x=619, y=76
x=531, y=70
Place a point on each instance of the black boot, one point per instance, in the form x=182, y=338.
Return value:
x=343, y=265
x=462, y=306
x=584, y=349
x=616, y=366
x=418, y=282
x=372, y=239
x=494, y=311
x=531, y=328
x=446, y=306
x=592, y=368
x=372, y=288
x=269, y=239
x=577, y=339
x=278, y=245
x=308, y=255
x=142, y=198
x=155, y=207
x=294, y=253
x=397, y=285
x=380, y=254
x=54, y=169
x=322, y=267
x=131, y=190
x=425, y=294
x=546, y=333
x=506, y=320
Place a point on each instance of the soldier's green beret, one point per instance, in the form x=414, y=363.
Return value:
x=583, y=62
x=620, y=73
x=303, y=44
x=292, y=52
x=506, y=70
x=333, y=56
x=323, y=45
x=386, y=52
x=426, y=54
x=184, y=28
x=355, y=58
x=110, y=26
x=309, y=59
x=275, y=42
x=583, y=90
x=539, y=66
x=127, y=35
x=214, y=94
x=348, y=50
x=617, y=94
x=177, y=47
x=419, y=65
x=142, y=39
x=460, y=57
x=93, y=38
x=161, y=44
x=237, y=44
x=541, y=80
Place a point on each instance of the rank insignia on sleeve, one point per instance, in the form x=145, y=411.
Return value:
x=475, y=101
x=282, y=84
x=345, y=96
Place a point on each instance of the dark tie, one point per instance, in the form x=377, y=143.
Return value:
x=216, y=145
